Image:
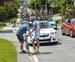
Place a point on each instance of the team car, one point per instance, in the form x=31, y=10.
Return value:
x=47, y=32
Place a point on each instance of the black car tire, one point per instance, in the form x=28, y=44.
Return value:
x=71, y=35
x=62, y=32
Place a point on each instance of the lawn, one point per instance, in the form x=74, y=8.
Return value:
x=7, y=51
x=2, y=26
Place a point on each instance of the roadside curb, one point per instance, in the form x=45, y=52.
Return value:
x=6, y=31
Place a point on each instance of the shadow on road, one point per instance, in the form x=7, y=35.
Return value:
x=40, y=53
x=68, y=36
x=45, y=52
x=6, y=31
x=48, y=44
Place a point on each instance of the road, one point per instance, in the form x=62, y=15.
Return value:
x=64, y=51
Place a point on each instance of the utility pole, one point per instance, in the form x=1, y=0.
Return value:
x=62, y=11
x=25, y=6
x=23, y=9
x=46, y=7
x=35, y=9
x=74, y=2
x=73, y=8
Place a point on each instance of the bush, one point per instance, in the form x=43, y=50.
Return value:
x=3, y=15
x=8, y=11
x=59, y=21
x=11, y=9
x=2, y=25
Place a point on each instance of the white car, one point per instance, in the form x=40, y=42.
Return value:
x=47, y=32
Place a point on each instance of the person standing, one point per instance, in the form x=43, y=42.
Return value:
x=36, y=30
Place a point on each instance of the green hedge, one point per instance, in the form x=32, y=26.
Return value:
x=59, y=21
x=2, y=26
x=8, y=11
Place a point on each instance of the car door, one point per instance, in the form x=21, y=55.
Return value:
x=66, y=26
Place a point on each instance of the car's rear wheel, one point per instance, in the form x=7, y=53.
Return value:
x=62, y=32
x=71, y=34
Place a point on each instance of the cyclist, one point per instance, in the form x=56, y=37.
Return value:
x=36, y=29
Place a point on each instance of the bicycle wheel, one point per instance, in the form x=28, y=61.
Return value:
x=27, y=46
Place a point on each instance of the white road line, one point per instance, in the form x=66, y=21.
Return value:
x=30, y=59
x=33, y=56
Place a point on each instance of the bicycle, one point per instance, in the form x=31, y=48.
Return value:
x=27, y=44
x=26, y=41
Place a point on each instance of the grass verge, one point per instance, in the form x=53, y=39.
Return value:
x=2, y=26
x=7, y=51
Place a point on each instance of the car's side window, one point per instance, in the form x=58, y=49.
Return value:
x=66, y=21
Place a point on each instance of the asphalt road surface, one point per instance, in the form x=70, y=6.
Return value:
x=63, y=51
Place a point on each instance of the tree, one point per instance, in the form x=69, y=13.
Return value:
x=8, y=11
x=14, y=1
x=2, y=1
x=3, y=15
x=11, y=10
x=64, y=7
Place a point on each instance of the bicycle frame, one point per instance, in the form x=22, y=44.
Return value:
x=26, y=41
